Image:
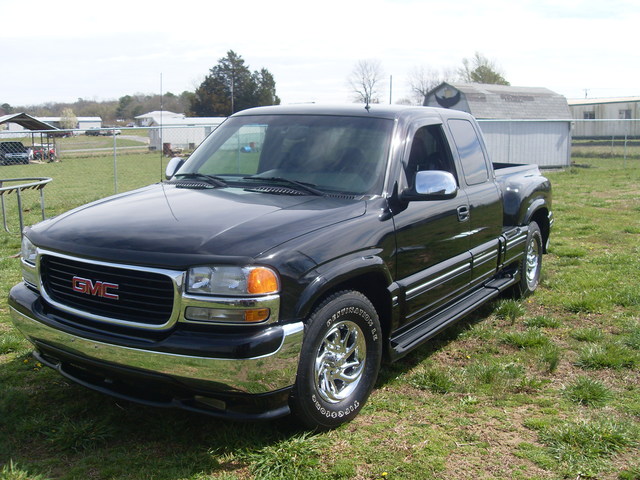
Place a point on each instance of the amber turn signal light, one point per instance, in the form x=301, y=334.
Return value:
x=255, y=316
x=261, y=281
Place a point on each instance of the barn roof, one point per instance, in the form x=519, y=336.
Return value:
x=500, y=101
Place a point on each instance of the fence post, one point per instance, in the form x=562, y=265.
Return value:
x=115, y=163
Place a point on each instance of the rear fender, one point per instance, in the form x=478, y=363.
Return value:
x=532, y=210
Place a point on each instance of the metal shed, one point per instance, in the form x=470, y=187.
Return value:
x=520, y=124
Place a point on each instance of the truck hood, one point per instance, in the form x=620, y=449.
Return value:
x=169, y=226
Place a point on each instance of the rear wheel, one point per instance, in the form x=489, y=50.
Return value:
x=339, y=362
x=531, y=265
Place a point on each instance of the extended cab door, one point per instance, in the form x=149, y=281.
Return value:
x=484, y=197
x=433, y=261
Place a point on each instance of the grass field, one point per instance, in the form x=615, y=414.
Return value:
x=545, y=388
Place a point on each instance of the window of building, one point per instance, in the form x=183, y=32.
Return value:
x=624, y=114
x=589, y=115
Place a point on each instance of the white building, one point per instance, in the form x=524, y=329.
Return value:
x=84, y=123
x=606, y=117
x=183, y=133
x=153, y=119
x=520, y=124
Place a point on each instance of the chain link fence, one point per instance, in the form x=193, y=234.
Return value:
x=35, y=146
x=606, y=139
x=85, y=165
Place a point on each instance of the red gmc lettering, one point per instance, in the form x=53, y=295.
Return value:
x=96, y=289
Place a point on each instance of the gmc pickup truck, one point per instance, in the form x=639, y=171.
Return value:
x=295, y=250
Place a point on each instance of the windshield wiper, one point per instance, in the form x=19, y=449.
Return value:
x=210, y=179
x=306, y=187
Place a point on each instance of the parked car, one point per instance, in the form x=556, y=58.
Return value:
x=60, y=133
x=108, y=132
x=13, y=153
x=93, y=131
x=251, y=286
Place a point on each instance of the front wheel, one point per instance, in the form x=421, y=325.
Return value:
x=339, y=362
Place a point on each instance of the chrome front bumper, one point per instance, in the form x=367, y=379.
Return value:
x=257, y=375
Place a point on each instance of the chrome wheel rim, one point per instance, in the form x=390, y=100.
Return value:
x=533, y=262
x=340, y=361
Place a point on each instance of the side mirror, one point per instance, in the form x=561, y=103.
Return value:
x=432, y=185
x=173, y=166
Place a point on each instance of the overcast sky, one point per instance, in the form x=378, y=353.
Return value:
x=53, y=52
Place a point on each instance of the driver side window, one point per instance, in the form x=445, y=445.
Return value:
x=429, y=151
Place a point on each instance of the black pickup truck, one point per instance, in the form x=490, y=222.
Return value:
x=295, y=250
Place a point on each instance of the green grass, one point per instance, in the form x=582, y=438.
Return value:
x=611, y=355
x=588, y=391
x=434, y=380
x=582, y=445
x=547, y=387
x=543, y=321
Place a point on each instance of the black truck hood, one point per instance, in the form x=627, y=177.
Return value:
x=164, y=225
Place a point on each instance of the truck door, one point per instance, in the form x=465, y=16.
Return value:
x=485, y=202
x=432, y=257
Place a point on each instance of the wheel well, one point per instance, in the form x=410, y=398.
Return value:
x=371, y=285
x=541, y=217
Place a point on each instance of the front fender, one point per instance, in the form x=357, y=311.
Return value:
x=363, y=272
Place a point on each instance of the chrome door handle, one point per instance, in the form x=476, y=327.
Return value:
x=463, y=213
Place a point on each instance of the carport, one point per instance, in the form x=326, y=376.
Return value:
x=37, y=127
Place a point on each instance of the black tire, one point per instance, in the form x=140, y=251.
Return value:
x=531, y=265
x=339, y=362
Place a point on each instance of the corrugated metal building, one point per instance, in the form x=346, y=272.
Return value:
x=606, y=117
x=186, y=132
x=520, y=124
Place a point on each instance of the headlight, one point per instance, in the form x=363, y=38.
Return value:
x=28, y=251
x=231, y=280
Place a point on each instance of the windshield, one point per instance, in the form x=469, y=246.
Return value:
x=333, y=154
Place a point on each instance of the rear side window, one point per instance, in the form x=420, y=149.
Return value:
x=474, y=164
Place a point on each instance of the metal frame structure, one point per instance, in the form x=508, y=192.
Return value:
x=35, y=183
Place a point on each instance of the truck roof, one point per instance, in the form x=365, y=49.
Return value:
x=359, y=110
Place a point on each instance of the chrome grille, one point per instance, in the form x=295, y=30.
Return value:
x=142, y=297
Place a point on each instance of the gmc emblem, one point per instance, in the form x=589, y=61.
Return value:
x=95, y=289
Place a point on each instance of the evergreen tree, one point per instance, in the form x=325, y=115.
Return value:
x=231, y=87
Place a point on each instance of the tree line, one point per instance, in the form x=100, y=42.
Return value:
x=231, y=86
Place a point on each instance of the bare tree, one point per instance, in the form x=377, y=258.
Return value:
x=480, y=69
x=365, y=81
x=423, y=79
